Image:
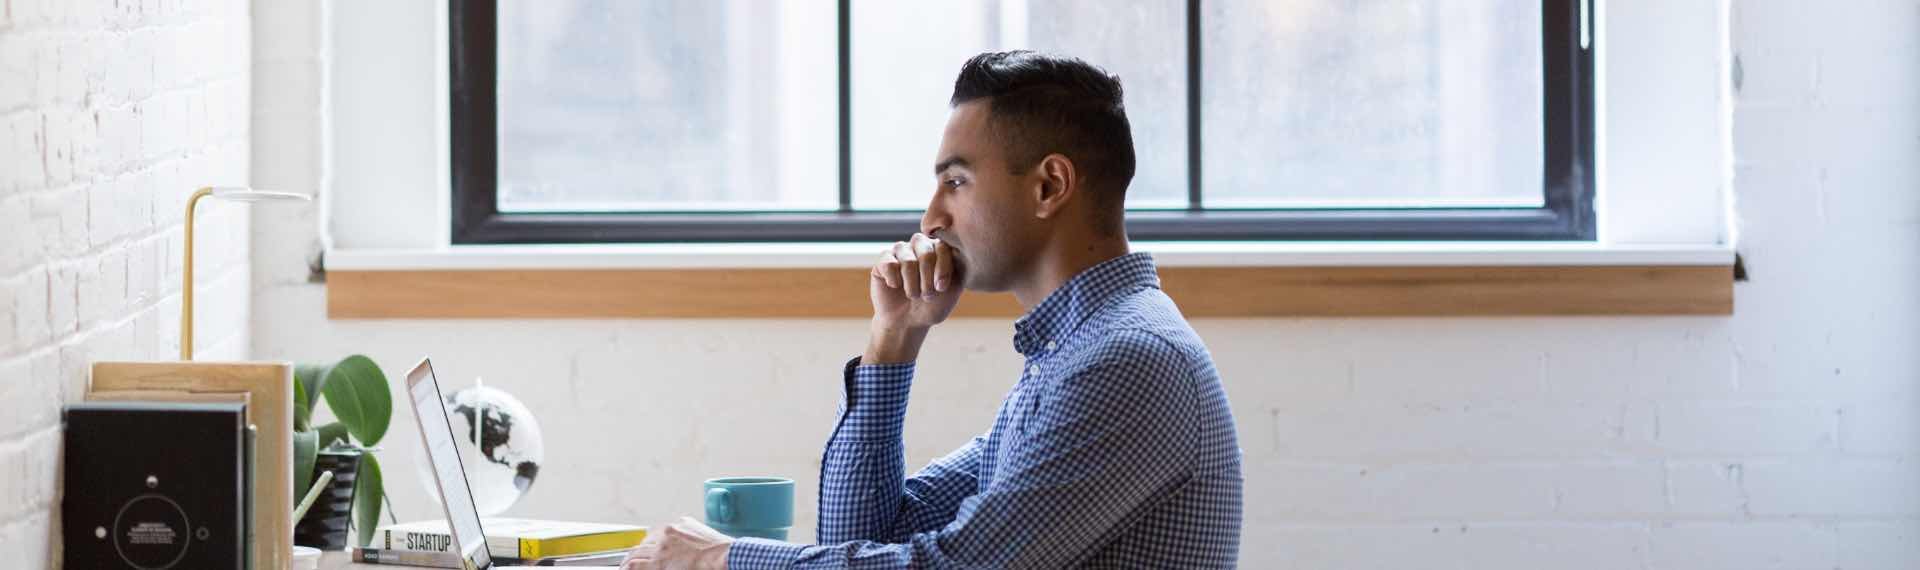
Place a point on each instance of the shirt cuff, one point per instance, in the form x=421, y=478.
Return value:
x=874, y=404
x=750, y=553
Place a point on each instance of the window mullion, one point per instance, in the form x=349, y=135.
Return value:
x=846, y=97
x=1193, y=105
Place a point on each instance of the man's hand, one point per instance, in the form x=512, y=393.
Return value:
x=915, y=285
x=684, y=545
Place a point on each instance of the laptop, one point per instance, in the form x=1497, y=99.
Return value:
x=450, y=477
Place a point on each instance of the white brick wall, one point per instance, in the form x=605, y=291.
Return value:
x=110, y=114
x=1784, y=436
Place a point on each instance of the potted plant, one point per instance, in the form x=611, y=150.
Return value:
x=355, y=390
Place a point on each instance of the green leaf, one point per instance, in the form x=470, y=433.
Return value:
x=302, y=417
x=331, y=434
x=356, y=390
x=305, y=447
x=367, y=491
x=306, y=388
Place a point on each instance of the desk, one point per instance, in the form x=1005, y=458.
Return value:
x=338, y=560
x=343, y=560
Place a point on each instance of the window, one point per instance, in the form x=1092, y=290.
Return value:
x=755, y=120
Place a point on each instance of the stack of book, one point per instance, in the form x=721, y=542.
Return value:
x=524, y=542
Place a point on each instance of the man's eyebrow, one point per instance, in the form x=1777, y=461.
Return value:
x=949, y=162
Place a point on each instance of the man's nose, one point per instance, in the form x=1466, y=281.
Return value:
x=934, y=221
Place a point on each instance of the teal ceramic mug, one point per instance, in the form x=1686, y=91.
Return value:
x=750, y=506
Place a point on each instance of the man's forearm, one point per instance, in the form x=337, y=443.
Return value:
x=893, y=346
x=865, y=453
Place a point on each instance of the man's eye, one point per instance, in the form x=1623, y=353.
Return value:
x=954, y=182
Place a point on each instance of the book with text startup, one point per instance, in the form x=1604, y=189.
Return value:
x=364, y=555
x=515, y=538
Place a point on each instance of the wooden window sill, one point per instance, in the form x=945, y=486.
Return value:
x=796, y=281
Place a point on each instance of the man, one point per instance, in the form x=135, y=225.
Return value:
x=1116, y=448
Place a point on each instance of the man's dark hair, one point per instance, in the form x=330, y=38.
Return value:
x=1039, y=104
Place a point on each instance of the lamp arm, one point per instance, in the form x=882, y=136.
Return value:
x=186, y=284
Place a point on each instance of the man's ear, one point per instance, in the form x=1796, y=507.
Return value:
x=1059, y=183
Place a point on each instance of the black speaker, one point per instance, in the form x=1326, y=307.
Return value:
x=153, y=485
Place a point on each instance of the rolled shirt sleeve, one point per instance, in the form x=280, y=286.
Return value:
x=1108, y=438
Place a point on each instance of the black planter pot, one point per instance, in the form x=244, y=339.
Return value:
x=325, y=525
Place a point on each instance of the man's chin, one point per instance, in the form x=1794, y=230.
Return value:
x=970, y=276
x=981, y=284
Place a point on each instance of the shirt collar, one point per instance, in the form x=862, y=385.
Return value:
x=1080, y=297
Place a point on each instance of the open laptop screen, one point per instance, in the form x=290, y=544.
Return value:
x=431, y=411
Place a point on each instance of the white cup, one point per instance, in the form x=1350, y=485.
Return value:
x=306, y=558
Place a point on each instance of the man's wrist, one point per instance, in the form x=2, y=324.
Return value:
x=890, y=345
x=751, y=553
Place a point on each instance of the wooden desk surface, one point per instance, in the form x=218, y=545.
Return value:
x=343, y=560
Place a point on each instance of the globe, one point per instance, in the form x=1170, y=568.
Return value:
x=500, y=447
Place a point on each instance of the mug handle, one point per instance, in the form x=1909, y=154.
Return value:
x=719, y=505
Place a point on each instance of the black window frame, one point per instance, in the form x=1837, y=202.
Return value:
x=1566, y=213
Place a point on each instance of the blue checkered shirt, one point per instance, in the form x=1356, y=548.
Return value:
x=1115, y=449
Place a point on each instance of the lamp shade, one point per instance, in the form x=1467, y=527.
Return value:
x=245, y=194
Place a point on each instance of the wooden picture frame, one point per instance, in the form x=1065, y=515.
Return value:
x=267, y=388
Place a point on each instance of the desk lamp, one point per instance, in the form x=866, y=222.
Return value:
x=235, y=193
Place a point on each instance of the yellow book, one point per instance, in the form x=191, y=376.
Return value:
x=515, y=538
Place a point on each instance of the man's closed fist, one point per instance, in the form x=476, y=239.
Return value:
x=684, y=545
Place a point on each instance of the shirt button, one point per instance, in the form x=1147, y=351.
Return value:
x=1052, y=345
x=1033, y=370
